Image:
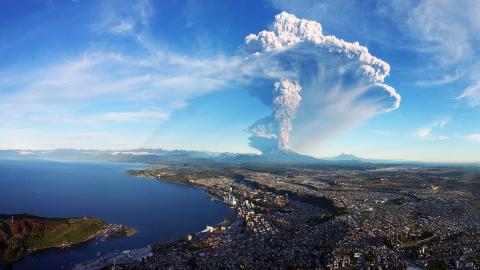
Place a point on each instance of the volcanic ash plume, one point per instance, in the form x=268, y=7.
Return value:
x=287, y=98
x=322, y=85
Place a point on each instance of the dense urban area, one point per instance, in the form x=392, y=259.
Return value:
x=326, y=217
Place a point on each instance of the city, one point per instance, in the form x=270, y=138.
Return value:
x=329, y=218
x=240, y=134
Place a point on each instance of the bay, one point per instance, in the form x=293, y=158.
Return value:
x=159, y=211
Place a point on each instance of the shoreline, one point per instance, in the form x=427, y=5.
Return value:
x=105, y=232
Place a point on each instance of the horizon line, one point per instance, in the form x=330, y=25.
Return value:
x=364, y=159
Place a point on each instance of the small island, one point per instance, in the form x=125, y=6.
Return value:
x=22, y=234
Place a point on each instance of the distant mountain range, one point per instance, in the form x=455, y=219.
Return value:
x=160, y=156
x=189, y=157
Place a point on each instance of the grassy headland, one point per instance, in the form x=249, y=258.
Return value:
x=23, y=234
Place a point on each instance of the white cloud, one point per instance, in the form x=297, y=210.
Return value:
x=473, y=137
x=122, y=28
x=144, y=84
x=341, y=83
x=135, y=116
x=442, y=123
x=451, y=29
x=445, y=79
x=445, y=33
x=427, y=131
x=472, y=94
x=169, y=81
x=450, y=26
x=424, y=132
x=123, y=17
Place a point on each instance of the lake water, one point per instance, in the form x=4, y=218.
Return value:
x=159, y=211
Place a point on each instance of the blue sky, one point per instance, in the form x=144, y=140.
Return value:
x=169, y=74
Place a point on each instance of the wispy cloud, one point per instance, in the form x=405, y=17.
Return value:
x=122, y=28
x=123, y=17
x=445, y=79
x=131, y=116
x=107, y=85
x=472, y=94
x=473, y=137
x=444, y=32
x=426, y=132
x=148, y=82
x=451, y=30
x=168, y=82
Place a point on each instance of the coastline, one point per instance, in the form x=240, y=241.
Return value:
x=120, y=206
x=47, y=249
x=49, y=231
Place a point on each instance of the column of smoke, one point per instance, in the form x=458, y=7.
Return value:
x=285, y=103
x=342, y=84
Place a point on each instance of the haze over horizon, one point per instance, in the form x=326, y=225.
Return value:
x=397, y=80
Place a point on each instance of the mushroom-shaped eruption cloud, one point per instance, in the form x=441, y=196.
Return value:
x=317, y=85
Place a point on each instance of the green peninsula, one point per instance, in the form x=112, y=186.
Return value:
x=23, y=234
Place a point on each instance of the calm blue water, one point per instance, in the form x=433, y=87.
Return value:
x=159, y=211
